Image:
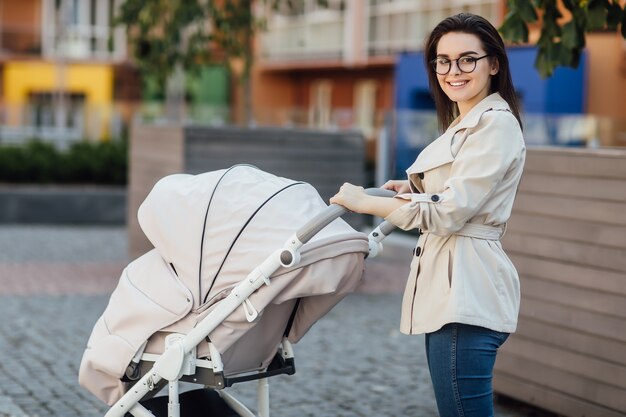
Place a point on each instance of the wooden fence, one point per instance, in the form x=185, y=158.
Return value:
x=324, y=159
x=567, y=238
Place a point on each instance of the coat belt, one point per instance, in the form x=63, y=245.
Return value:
x=482, y=231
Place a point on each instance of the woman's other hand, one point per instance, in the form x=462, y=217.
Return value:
x=399, y=186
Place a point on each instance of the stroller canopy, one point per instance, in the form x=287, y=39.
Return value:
x=213, y=228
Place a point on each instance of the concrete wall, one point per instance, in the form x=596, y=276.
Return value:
x=31, y=204
x=567, y=238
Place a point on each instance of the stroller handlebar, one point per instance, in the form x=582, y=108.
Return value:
x=323, y=219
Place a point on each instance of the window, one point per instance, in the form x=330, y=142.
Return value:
x=50, y=110
x=365, y=106
x=320, y=103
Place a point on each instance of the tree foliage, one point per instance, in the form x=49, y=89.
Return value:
x=163, y=34
x=189, y=34
x=562, y=38
x=166, y=33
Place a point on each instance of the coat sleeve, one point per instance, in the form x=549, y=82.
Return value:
x=482, y=162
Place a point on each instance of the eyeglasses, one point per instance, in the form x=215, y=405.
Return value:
x=466, y=64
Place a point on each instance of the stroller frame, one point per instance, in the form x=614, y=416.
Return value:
x=179, y=362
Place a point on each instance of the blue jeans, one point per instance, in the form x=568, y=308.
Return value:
x=461, y=359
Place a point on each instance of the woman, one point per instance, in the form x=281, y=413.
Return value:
x=462, y=291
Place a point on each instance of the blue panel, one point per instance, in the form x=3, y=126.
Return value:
x=412, y=94
x=565, y=92
x=527, y=81
x=412, y=89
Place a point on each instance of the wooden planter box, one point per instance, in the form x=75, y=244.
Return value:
x=324, y=159
x=567, y=238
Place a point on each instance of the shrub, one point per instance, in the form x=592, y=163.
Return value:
x=83, y=163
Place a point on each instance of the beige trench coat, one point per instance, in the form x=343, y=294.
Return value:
x=463, y=187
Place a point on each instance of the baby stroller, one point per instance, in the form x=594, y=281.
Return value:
x=195, y=309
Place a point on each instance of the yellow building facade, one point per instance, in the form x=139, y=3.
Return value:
x=58, y=63
x=24, y=79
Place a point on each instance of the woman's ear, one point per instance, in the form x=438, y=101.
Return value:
x=495, y=66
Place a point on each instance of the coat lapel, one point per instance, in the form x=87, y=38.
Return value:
x=439, y=152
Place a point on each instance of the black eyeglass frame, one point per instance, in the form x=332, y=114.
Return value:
x=450, y=61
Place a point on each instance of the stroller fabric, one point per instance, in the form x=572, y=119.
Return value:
x=209, y=232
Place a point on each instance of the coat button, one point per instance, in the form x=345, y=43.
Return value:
x=420, y=175
x=418, y=251
x=435, y=198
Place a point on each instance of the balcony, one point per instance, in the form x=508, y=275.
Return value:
x=403, y=25
x=84, y=42
x=361, y=28
x=72, y=42
x=315, y=35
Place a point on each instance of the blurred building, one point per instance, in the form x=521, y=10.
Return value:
x=62, y=66
x=335, y=66
x=348, y=64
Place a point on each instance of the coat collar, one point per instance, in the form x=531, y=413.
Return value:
x=439, y=151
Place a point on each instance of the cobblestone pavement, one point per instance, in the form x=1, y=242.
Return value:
x=55, y=282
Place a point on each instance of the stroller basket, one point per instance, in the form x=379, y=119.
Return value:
x=226, y=291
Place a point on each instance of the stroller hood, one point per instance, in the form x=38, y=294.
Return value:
x=213, y=228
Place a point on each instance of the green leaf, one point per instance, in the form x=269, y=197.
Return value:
x=514, y=29
x=567, y=57
x=570, y=5
x=526, y=10
x=614, y=15
x=550, y=28
x=571, y=36
x=596, y=14
x=543, y=63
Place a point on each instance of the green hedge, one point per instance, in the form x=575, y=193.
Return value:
x=83, y=163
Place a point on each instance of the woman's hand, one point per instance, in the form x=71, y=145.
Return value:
x=350, y=196
x=399, y=186
x=355, y=199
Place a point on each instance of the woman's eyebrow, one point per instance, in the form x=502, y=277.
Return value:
x=461, y=54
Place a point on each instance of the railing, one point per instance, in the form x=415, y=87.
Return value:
x=76, y=42
x=86, y=42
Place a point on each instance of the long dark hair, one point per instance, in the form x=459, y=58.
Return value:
x=501, y=83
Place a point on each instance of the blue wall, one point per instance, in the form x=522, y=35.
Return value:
x=563, y=92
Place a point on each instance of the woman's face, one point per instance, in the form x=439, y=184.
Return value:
x=464, y=88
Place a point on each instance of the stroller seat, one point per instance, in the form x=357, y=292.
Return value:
x=228, y=287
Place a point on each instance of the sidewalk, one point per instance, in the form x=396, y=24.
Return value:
x=55, y=282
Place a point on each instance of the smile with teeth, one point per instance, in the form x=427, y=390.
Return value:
x=457, y=83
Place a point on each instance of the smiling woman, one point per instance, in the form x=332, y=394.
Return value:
x=462, y=290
